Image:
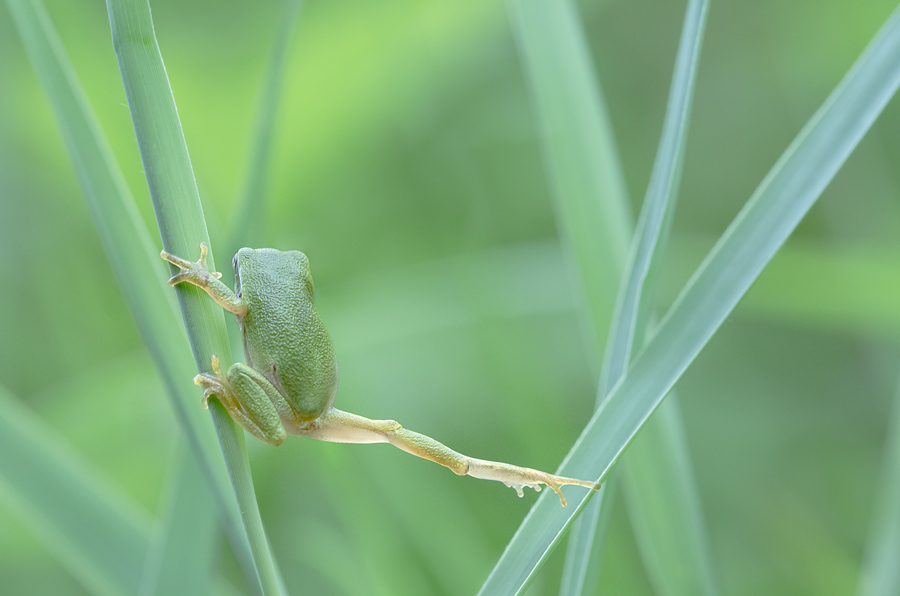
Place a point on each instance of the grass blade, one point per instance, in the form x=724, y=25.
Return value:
x=589, y=187
x=181, y=553
x=664, y=507
x=129, y=249
x=651, y=236
x=759, y=230
x=637, y=290
x=880, y=573
x=660, y=490
x=577, y=139
x=250, y=209
x=581, y=570
x=176, y=203
x=97, y=534
x=252, y=201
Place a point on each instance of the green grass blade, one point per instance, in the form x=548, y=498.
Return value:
x=636, y=297
x=799, y=286
x=881, y=573
x=591, y=203
x=577, y=140
x=176, y=203
x=759, y=230
x=664, y=507
x=129, y=249
x=94, y=530
x=252, y=201
x=581, y=570
x=181, y=553
x=637, y=290
x=660, y=490
x=90, y=528
x=250, y=209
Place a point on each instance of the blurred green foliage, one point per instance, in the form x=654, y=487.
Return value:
x=407, y=167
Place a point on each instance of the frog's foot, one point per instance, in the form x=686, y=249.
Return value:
x=517, y=477
x=198, y=273
x=247, y=403
x=214, y=383
x=194, y=272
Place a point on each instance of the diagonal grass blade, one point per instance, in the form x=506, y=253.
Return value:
x=649, y=244
x=881, y=574
x=95, y=532
x=770, y=215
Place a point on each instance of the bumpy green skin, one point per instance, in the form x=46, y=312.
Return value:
x=284, y=339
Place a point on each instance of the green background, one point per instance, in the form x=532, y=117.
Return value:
x=407, y=166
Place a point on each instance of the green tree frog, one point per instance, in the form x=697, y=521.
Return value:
x=290, y=379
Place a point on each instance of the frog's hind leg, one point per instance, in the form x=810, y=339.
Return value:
x=342, y=427
x=249, y=399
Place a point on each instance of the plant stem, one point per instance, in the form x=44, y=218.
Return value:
x=179, y=216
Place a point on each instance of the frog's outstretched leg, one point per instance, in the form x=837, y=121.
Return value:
x=337, y=426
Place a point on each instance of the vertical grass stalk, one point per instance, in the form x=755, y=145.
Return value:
x=130, y=251
x=250, y=210
x=179, y=216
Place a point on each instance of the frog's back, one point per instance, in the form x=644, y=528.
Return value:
x=284, y=339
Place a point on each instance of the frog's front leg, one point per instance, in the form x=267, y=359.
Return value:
x=342, y=427
x=196, y=272
x=251, y=400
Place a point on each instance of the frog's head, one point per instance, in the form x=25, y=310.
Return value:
x=265, y=268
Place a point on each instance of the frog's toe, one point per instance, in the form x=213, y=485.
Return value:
x=176, y=260
x=211, y=386
x=178, y=278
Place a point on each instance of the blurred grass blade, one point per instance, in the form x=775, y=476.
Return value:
x=94, y=530
x=250, y=209
x=759, y=230
x=664, y=506
x=99, y=537
x=637, y=295
x=182, y=227
x=592, y=208
x=660, y=490
x=181, y=552
x=245, y=228
x=581, y=570
x=881, y=566
x=637, y=291
x=577, y=140
x=130, y=251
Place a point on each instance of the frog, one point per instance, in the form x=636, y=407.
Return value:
x=288, y=382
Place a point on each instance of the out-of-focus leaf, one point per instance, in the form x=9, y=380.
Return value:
x=179, y=215
x=129, y=249
x=181, y=553
x=99, y=536
x=759, y=230
x=881, y=573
